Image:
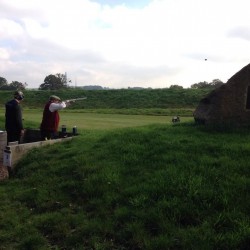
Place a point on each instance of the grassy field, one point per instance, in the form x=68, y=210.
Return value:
x=85, y=120
x=147, y=184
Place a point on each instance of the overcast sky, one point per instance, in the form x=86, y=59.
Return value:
x=124, y=43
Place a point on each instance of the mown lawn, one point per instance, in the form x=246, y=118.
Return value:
x=32, y=119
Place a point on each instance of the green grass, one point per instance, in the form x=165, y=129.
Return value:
x=154, y=187
x=94, y=120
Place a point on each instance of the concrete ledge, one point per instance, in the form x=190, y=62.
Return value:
x=16, y=152
x=12, y=153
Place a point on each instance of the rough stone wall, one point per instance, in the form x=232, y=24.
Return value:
x=227, y=104
x=3, y=143
x=4, y=174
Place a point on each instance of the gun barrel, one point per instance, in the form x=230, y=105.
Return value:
x=76, y=99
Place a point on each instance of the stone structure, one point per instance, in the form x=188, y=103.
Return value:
x=3, y=143
x=229, y=104
x=4, y=174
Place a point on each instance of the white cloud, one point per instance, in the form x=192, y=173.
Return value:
x=4, y=55
x=120, y=44
x=9, y=29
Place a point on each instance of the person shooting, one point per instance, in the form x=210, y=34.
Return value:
x=51, y=118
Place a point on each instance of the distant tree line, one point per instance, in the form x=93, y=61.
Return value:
x=60, y=81
x=14, y=85
x=216, y=83
x=205, y=85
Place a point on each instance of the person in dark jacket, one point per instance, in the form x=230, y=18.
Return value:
x=51, y=118
x=13, y=118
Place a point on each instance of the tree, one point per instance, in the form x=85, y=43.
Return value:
x=18, y=85
x=212, y=85
x=200, y=85
x=63, y=79
x=216, y=83
x=14, y=85
x=54, y=82
x=175, y=87
x=3, y=82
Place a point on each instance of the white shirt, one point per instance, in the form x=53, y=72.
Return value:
x=56, y=106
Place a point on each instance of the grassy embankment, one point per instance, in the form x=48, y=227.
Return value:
x=126, y=101
x=151, y=187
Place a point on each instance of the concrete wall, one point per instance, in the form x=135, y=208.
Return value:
x=12, y=153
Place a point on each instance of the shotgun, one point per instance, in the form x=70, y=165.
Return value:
x=76, y=99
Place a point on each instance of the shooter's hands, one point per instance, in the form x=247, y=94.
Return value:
x=68, y=102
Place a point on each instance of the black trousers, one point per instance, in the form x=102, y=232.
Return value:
x=13, y=135
x=47, y=135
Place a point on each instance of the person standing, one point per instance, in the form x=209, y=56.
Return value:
x=13, y=118
x=51, y=118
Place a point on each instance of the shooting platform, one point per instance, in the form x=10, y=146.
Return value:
x=12, y=153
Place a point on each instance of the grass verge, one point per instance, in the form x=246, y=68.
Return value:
x=153, y=187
